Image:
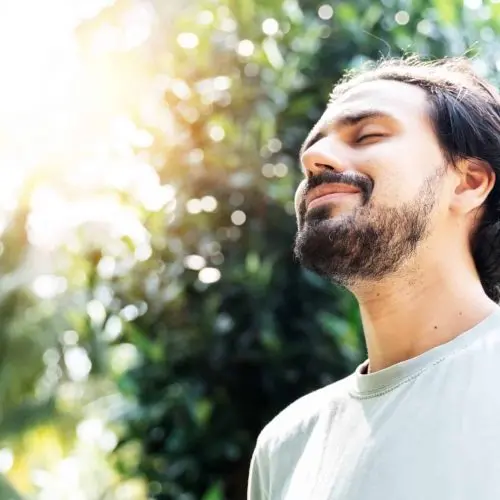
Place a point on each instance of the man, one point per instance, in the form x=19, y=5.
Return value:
x=400, y=205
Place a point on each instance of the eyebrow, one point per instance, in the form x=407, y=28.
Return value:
x=346, y=119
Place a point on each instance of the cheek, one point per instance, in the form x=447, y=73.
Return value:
x=398, y=177
x=400, y=165
x=394, y=188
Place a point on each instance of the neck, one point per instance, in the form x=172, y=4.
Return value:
x=414, y=312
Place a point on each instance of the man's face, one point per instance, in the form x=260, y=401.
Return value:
x=373, y=171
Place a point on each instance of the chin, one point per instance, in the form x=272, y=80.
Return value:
x=326, y=218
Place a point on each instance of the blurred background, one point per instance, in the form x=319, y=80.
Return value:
x=152, y=319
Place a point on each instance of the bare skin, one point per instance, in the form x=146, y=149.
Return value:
x=436, y=294
x=402, y=321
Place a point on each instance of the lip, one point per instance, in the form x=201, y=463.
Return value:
x=327, y=198
x=329, y=192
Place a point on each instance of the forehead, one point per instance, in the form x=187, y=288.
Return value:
x=401, y=101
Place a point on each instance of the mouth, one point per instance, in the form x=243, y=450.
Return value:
x=329, y=193
x=329, y=198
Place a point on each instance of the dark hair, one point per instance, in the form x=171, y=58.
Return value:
x=465, y=114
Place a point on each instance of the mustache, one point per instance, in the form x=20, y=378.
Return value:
x=364, y=184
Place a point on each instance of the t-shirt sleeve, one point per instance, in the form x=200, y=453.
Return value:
x=258, y=478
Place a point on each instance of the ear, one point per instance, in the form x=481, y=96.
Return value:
x=476, y=179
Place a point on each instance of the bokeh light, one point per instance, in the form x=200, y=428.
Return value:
x=140, y=147
x=402, y=17
x=270, y=26
x=246, y=48
x=325, y=12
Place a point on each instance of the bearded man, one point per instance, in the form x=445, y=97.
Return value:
x=400, y=205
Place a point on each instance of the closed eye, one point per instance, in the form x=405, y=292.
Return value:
x=369, y=136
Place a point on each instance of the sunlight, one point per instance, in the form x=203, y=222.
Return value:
x=38, y=54
x=79, y=103
x=64, y=103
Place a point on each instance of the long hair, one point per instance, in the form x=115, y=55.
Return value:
x=465, y=115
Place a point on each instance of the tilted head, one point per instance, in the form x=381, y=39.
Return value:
x=406, y=155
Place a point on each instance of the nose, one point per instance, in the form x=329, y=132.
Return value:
x=321, y=156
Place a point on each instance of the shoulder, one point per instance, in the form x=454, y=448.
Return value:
x=282, y=440
x=299, y=418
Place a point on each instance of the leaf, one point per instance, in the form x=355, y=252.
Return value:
x=244, y=10
x=345, y=12
x=372, y=16
x=7, y=492
x=148, y=347
x=252, y=263
x=273, y=53
x=447, y=10
x=27, y=416
x=214, y=493
x=203, y=411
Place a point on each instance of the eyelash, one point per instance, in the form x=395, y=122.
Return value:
x=320, y=136
x=367, y=136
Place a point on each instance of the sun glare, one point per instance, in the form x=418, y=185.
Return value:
x=38, y=53
x=71, y=101
x=80, y=101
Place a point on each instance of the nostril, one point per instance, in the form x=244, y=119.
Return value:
x=323, y=166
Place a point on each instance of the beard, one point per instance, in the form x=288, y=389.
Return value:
x=368, y=244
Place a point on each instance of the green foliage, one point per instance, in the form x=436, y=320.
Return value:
x=7, y=492
x=236, y=352
x=219, y=360
x=219, y=328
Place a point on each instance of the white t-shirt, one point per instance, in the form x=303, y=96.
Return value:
x=424, y=429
